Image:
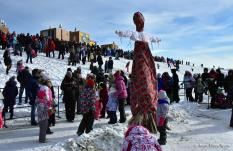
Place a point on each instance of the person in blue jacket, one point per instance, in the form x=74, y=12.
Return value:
x=160, y=82
x=33, y=88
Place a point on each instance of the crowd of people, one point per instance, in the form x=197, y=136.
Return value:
x=103, y=86
x=34, y=44
x=214, y=82
x=80, y=95
x=39, y=93
x=170, y=61
x=101, y=93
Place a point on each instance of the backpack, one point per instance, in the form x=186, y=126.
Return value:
x=34, y=54
x=221, y=102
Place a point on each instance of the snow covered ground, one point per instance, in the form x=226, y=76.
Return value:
x=193, y=126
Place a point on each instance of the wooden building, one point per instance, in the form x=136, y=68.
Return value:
x=56, y=33
x=3, y=27
x=79, y=37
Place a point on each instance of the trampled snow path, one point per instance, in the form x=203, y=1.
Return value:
x=194, y=128
x=26, y=138
x=200, y=129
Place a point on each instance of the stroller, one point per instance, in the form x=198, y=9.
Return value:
x=220, y=100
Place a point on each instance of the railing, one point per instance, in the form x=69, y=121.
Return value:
x=58, y=101
x=57, y=94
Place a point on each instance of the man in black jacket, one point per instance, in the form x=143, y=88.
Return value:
x=23, y=78
x=28, y=47
x=100, y=61
x=175, y=87
x=62, y=49
x=10, y=92
x=110, y=65
x=78, y=83
x=69, y=97
x=220, y=78
x=205, y=76
x=7, y=60
x=228, y=81
x=32, y=89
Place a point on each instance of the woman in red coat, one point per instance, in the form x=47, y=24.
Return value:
x=50, y=47
x=103, y=93
x=143, y=82
x=4, y=41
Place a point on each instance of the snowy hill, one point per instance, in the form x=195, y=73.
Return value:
x=193, y=126
x=56, y=68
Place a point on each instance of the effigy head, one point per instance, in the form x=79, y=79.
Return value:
x=139, y=21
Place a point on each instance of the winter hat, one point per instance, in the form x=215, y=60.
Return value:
x=35, y=72
x=130, y=128
x=220, y=90
x=69, y=69
x=102, y=85
x=26, y=68
x=69, y=73
x=12, y=78
x=117, y=74
x=173, y=70
x=90, y=83
x=162, y=95
x=79, y=70
x=158, y=75
x=44, y=76
x=91, y=76
x=195, y=75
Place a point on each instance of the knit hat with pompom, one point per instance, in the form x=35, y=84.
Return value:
x=90, y=83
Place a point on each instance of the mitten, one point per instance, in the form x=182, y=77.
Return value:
x=161, y=121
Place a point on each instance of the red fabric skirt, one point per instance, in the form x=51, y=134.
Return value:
x=144, y=84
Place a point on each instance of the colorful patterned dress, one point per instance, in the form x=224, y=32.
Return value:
x=143, y=90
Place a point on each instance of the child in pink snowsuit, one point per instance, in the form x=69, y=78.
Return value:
x=138, y=138
x=98, y=108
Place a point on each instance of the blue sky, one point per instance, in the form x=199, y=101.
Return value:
x=197, y=30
